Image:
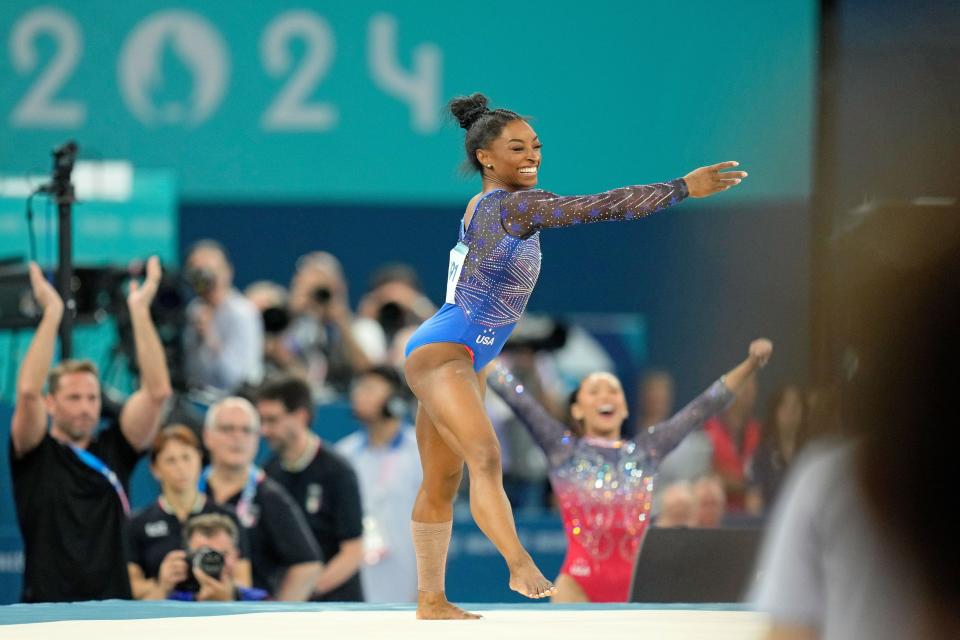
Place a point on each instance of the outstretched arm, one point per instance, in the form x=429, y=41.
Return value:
x=141, y=414
x=662, y=438
x=30, y=416
x=549, y=433
x=525, y=212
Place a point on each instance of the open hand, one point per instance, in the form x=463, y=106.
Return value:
x=44, y=293
x=759, y=352
x=141, y=295
x=707, y=181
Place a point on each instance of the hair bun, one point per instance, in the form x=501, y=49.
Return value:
x=468, y=109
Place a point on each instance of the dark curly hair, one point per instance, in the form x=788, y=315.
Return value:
x=482, y=125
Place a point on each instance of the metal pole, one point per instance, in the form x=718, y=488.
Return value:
x=65, y=271
x=62, y=190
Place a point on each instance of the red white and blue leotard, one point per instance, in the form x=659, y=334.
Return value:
x=501, y=258
x=604, y=487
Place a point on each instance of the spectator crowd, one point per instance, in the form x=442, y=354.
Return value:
x=321, y=520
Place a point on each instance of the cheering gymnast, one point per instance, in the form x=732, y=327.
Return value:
x=492, y=271
x=605, y=484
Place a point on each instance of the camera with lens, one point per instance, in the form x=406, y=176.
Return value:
x=207, y=560
x=322, y=295
x=201, y=280
x=275, y=320
x=392, y=317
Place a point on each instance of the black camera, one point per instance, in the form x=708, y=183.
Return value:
x=201, y=280
x=275, y=320
x=205, y=559
x=392, y=317
x=322, y=295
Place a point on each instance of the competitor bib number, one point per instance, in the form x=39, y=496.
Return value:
x=457, y=256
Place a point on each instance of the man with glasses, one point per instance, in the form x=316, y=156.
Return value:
x=285, y=557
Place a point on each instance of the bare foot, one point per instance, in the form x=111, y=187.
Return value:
x=527, y=580
x=434, y=606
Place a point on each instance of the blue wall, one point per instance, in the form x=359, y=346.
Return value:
x=708, y=275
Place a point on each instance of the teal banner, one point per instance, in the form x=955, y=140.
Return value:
x=122, y=215
x=344, y=101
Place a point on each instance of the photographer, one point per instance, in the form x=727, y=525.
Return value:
x=284, y=554
x=271, y=300
x=155, y=559
x=223, y=339
x=395, y=299
x=211, y=558
x=70, y=482
x=330, y=343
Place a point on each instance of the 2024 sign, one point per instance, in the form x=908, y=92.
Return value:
x=201, y=48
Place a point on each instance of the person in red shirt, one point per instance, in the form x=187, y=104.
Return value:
x=734, y=435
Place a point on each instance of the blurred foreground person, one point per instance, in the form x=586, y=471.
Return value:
x=862, y=545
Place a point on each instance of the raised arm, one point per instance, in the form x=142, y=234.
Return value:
x=525, y=212
x=660, y=439
x=30, y=416
x=550, y=434
x=142, y=412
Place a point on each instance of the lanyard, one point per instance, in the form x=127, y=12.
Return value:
x=244, y=505
x=100, y=467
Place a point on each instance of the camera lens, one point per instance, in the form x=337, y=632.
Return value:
x=202, y=280
x=275, y=320
x=208, y=561
x=391, y=317
x=322, y=295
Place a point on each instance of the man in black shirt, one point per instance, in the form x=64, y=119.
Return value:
x=322, y=483
x=284, y=555
x=70, y=483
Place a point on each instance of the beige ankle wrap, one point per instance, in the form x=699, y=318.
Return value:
x=430, y=542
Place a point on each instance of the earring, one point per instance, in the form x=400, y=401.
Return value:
x=489, y=166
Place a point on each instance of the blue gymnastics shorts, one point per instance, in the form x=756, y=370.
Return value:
x=450, y=324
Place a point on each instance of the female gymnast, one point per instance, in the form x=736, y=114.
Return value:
x=492, y=272
x=605, y=484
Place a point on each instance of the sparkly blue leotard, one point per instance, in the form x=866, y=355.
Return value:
x=497, y=260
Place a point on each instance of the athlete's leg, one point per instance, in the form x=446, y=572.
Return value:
x=568, y=590
x=442, y=377
x=433, y=521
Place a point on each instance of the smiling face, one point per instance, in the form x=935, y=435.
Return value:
x=601, y=406
x=515, y=155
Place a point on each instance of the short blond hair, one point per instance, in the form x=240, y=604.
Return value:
x=66, y=367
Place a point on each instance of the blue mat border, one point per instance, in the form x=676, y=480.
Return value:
x=130, y=610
